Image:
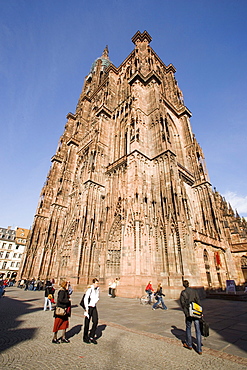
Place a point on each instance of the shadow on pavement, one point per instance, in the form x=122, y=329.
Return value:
x=178, y=333
x=11, y=334
x=227, y=322
x=99, y=330
x=73, y=331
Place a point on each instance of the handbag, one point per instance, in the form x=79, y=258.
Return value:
x=195, y=310
x=50, y=296
x=60, y=311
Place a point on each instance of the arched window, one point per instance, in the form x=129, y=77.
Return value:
x=207, y=267
x=244, y=262
x=206, y=259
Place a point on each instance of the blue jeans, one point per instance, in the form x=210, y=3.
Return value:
x=160, y=300
x=188, y=322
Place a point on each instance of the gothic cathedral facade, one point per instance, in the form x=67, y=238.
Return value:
x=128, y=194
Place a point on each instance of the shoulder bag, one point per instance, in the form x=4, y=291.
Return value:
x=204, y=327
x=195, y=310
x=60, y=311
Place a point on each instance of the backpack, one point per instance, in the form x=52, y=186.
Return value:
x=82, y=300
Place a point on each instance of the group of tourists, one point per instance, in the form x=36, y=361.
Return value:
x=62, y=311
x=32, y=284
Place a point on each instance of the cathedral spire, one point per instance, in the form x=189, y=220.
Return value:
x=106, y=53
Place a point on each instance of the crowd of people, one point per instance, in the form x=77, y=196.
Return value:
x=33, y=284
x=89, y=304
x=62, y=307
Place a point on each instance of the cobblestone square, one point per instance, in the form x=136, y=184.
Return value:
x=130, y=336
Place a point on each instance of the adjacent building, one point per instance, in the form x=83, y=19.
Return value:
x=12, y=245
x=128, y=194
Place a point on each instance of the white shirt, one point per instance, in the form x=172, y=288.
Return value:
x=93, y=293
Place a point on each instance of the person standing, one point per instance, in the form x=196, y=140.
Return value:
x=2, y=291
x=114, y=287
x=62, y=322
x=49, y=291
x=109, y=288
x=90, y=300
x=70, y=289
x=149, y=290
x=159, y=294
x=187, y=296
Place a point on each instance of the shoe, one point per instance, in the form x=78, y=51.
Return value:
x=199, y=353
x=92, y=340
x=154, y=309
x=56, y=341
x=186, y=346
x=65, y=340
x=86, y=340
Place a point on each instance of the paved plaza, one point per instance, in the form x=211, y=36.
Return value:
x=130, y=335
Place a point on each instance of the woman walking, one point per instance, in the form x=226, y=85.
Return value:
x=158, y=294
x=61, y=321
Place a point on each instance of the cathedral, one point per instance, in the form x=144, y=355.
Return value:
x=128, y=193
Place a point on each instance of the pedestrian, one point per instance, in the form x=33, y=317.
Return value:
x=109, y=288
x=187, y=296
x=90, y=300
x=70, y=289
x=159, y=297
x=61, y=321
x=26, y=284
x=114, y=287
x=49, y=295
x=149, y=290
x=2, y=290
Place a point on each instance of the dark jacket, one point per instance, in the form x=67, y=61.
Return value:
x=159, y=293
x=63, y=298
x=187, y=296
x=49, y=290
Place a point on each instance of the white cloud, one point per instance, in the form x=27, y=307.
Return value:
x=237, y=202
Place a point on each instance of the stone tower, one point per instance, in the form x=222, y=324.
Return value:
x=128, y=194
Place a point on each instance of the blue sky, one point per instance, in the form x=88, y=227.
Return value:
x=47, y=48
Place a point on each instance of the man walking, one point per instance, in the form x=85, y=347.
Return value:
x=187, y=296
x=90, y=300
